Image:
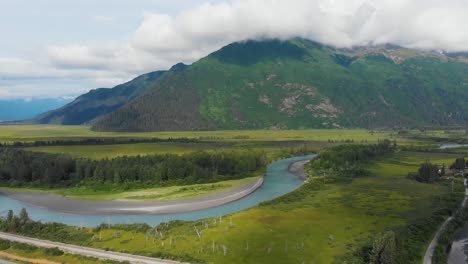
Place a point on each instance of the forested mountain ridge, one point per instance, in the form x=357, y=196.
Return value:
x=292, y=84
x=98, y=102
x=299, y=84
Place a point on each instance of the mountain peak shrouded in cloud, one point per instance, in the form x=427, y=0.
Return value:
x=198, y=28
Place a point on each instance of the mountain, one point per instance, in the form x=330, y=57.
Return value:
x=19, y=109
x=96, y=103
x=299, y=84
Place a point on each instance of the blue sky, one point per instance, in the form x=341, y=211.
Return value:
x=28, y=28
x=58, y=48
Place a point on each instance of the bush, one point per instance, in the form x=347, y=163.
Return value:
x=52, y=252
x=4, y=244
x=23, y=247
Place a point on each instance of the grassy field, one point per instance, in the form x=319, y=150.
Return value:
x=21, y=253
x=322, y=226
x=318, y=228
x=172, y=193
x=272, y=149
x=273, y=142
x=48, y=132
x=112, y=151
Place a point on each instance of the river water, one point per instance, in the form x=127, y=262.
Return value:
x=278, y=181
x=452, y=146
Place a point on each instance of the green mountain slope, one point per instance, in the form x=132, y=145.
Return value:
x=301, y=84
x=96, y=103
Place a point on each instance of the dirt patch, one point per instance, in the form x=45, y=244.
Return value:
x=27, y=260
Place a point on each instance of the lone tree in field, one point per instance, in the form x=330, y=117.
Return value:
x=459, y=164
x=427, y=173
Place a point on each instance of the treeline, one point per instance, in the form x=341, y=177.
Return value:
x=23, y=168
x=98, y=141
x=429, y=173
x=347, y=160
x=339, y=164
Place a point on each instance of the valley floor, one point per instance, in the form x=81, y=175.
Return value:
x=319, y=226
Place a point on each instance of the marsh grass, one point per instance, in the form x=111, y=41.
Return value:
x=332, y=220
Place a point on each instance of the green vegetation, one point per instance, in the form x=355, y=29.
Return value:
x=26, y=253
x=30, y=133
x=28, y=169
x=99, y=102
x=299, y=84
x=161, y=194
x=330, y=221
x=358, y=203
x=171, y=193
x=348, y=160
x=112, y=151
x=459, y=221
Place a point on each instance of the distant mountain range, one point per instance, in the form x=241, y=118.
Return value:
x=19, y=109
x=291, y=84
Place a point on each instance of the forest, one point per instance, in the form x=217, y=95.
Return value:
x=21, y=168
x=348, y=160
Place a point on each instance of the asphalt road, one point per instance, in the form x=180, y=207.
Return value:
x=89, y=252
x=435, y=241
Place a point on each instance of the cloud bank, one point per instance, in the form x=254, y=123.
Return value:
x=161, y=40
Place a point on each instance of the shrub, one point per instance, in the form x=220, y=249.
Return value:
x=4, y=244
x=52, y=252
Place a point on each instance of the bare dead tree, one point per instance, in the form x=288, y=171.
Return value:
x=225, y=250
x=198, y=233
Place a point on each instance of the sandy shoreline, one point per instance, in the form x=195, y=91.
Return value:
x=57, y=203
x=297, y=168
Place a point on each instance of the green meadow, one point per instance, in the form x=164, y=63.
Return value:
x=273, y=142
x=172, y=193
x=320, y=227
x=23, y=253
x=112, y=151
x=28, y=133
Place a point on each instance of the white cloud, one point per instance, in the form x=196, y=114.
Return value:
x=78, y=56
x=161, y=40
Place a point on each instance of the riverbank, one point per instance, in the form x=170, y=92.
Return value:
x=277, y=181
x=53, y=202
x=297, y=168
x=57, y=203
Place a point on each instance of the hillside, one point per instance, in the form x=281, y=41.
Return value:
x=96, y=103
x=302, y=84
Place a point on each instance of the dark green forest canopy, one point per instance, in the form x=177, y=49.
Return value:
x=299, y=84
x=22, y=168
